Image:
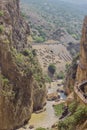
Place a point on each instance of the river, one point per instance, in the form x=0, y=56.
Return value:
x=47, y=118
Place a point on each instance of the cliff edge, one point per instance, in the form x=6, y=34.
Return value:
x=82, y=65
x=21, y=78
x=76, y=82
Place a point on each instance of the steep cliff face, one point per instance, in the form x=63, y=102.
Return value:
x=76, y=82
x=82, y=66
x=20, y=74
x=79, y=66
x=71, y=75
x=80, y=71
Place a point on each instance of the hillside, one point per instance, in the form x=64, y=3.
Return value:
x=47, y=17
x=56, y=54
x=35, y=60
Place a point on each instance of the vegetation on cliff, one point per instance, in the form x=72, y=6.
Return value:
x=78, y=116
x=71, y=70
x=21, y=78
x=77, y=74
x=46, y=17
x=59, y=109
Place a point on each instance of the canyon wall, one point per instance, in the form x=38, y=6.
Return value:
x=82, y=65
x=22, y=86
x=78, y=69
x=76, y=82
x=71, y=75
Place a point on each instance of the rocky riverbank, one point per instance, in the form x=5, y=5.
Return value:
x=41, y=119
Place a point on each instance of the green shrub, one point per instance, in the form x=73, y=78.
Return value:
x=81, y=114
x=73, y=106
x=47, y=79
x=1, y=28
x=34, y=52
x=19, y=58
x=78, y=117
x=52, y=69
x=23, y=14
x=4, y=80
x=25, y=52
x=37, y=77
x=67, y=124
x=60, y=75
x=38, y=39
x=67, y=67
x=6, y=41
x=40, y=128
x=29, y=54
x=1, y=13
x=59, y=109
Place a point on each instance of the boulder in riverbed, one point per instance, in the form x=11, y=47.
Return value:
x=52, y=96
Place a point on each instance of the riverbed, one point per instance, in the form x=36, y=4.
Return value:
x=47, y=118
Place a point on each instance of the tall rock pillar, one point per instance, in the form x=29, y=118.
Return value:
x=82, y=65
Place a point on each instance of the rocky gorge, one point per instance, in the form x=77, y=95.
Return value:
x=22, y=84
x=22, y=87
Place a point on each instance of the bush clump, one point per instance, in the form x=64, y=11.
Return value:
x=34, y=52
x=1, y=13
x=4, y=80
x=25, y=52
x=52, y=69
x=38, y=39
x=79, y=116
x=47, y=79
x=1, y=28
x=60, y=75
x=40, y=128
x=59, y=109
x=73, y=106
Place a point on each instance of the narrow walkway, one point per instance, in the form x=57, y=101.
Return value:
x=79, y=92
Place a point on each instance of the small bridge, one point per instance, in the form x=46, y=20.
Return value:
x=78, y=88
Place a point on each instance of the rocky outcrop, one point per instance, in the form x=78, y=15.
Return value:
x=71, y=75
x=22, y=86
x=53, y=96
x=39, y=97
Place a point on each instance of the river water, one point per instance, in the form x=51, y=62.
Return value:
x=47, y=118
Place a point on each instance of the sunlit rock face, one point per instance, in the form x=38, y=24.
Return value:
x=18, y=87
x=82, y=65
x=78, y=69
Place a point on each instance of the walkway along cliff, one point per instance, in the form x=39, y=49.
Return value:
x=77, y=72
x=76, y=87
x=22, y=87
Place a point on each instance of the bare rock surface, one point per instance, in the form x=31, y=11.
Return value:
x=18, y=82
